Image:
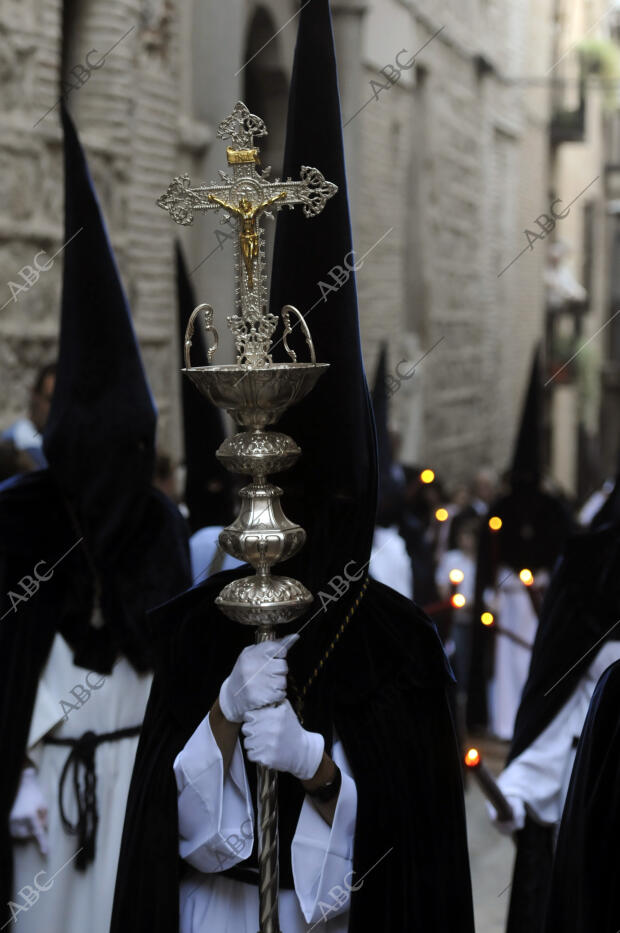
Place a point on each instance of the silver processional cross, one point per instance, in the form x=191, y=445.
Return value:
x=245, y=197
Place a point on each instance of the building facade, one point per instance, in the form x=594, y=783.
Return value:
x=446, y=109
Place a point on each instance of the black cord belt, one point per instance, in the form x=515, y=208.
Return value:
x=83, y=754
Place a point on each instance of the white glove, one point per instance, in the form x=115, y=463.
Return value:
x=28, y=818
x=257, y=679
x=508, y=827
x=274, y=737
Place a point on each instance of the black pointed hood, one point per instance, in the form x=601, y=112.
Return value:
x=332, y=489
x=208, y=484
x=526, y=467
x=100, y=437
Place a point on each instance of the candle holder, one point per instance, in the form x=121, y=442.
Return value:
x=256, y=392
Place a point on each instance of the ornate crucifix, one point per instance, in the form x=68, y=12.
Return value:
x=246, y=196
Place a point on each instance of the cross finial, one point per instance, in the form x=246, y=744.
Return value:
x=245, y=197
x=241, y=126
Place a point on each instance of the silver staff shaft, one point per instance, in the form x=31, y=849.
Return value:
x=268, y=854
x=268, y=860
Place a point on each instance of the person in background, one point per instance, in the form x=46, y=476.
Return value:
x=456, y=573
x=456, y=578
x=389, y=561
x=583, y=891
x=483, y=489
x=520, y=542
x=415, y=531
x=27, y=433
x=208, y=486
x=13, y=460
x=164, y=476
x=454, y=504
x=577, y=640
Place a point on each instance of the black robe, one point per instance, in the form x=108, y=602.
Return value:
x=385, y=690
x=35, y=526
x=585, y=894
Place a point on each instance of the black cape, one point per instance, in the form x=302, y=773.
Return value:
x=388, y=681
x=585, y=895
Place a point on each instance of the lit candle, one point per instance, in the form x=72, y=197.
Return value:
x=488, y=785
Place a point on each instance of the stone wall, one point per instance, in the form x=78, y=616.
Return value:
x=458, y=164
x=126, y=109
x=450, y=166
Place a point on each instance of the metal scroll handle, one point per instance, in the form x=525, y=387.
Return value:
x=209, y=329
x=288, y=328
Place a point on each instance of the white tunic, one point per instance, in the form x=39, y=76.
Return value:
x=389, y=561
x=216, y=832
x=540, y=775
x=515, y=613
x=79, y=901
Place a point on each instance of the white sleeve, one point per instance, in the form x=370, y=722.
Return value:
x=216, y=825
x=322, y=856
x=540, y=775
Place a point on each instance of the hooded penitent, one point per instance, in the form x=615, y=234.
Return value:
x=534, y=529
x=579, y=614
x=207, y=483
x=391, y=493
x=584, y=893
x=98, y=533
x=368, y=664
x=580, y=607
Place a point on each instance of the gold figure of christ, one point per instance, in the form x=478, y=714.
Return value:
x=248, y=236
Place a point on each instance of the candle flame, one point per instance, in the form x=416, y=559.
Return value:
x=487, y=618
x=427, y=476
x=526, y=576
x=441, y=515
x=456, y=576
x=495, y=523
x=458, y=600
x=472, y=758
